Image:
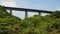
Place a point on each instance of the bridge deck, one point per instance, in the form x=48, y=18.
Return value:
x=27, y=10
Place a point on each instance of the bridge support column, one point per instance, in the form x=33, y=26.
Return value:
x=11, y=11
x=26, y=14
x=39, y=13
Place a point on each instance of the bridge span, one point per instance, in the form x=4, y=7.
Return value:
x=26, y=10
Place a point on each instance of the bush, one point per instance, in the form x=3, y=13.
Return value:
x=10, y=24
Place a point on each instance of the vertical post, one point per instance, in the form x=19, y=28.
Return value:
x=39, y=13
x=11, y=11
x=26, y=14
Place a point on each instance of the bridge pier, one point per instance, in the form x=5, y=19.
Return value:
x=11, y=11
x=26, y=13
x=39, y=13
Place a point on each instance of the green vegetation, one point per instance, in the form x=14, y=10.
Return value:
x=9, y=24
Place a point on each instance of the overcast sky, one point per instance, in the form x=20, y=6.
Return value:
x=50, y=5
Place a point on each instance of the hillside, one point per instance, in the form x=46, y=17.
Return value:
x=10, y=24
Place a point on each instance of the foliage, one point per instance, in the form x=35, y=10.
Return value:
x=9, y=24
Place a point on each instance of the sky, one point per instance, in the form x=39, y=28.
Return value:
x=50, y=5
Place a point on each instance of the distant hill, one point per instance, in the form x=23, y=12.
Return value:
x=10, y=24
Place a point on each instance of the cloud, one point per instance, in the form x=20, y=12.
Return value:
x=8, y=3
x=58, y=9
